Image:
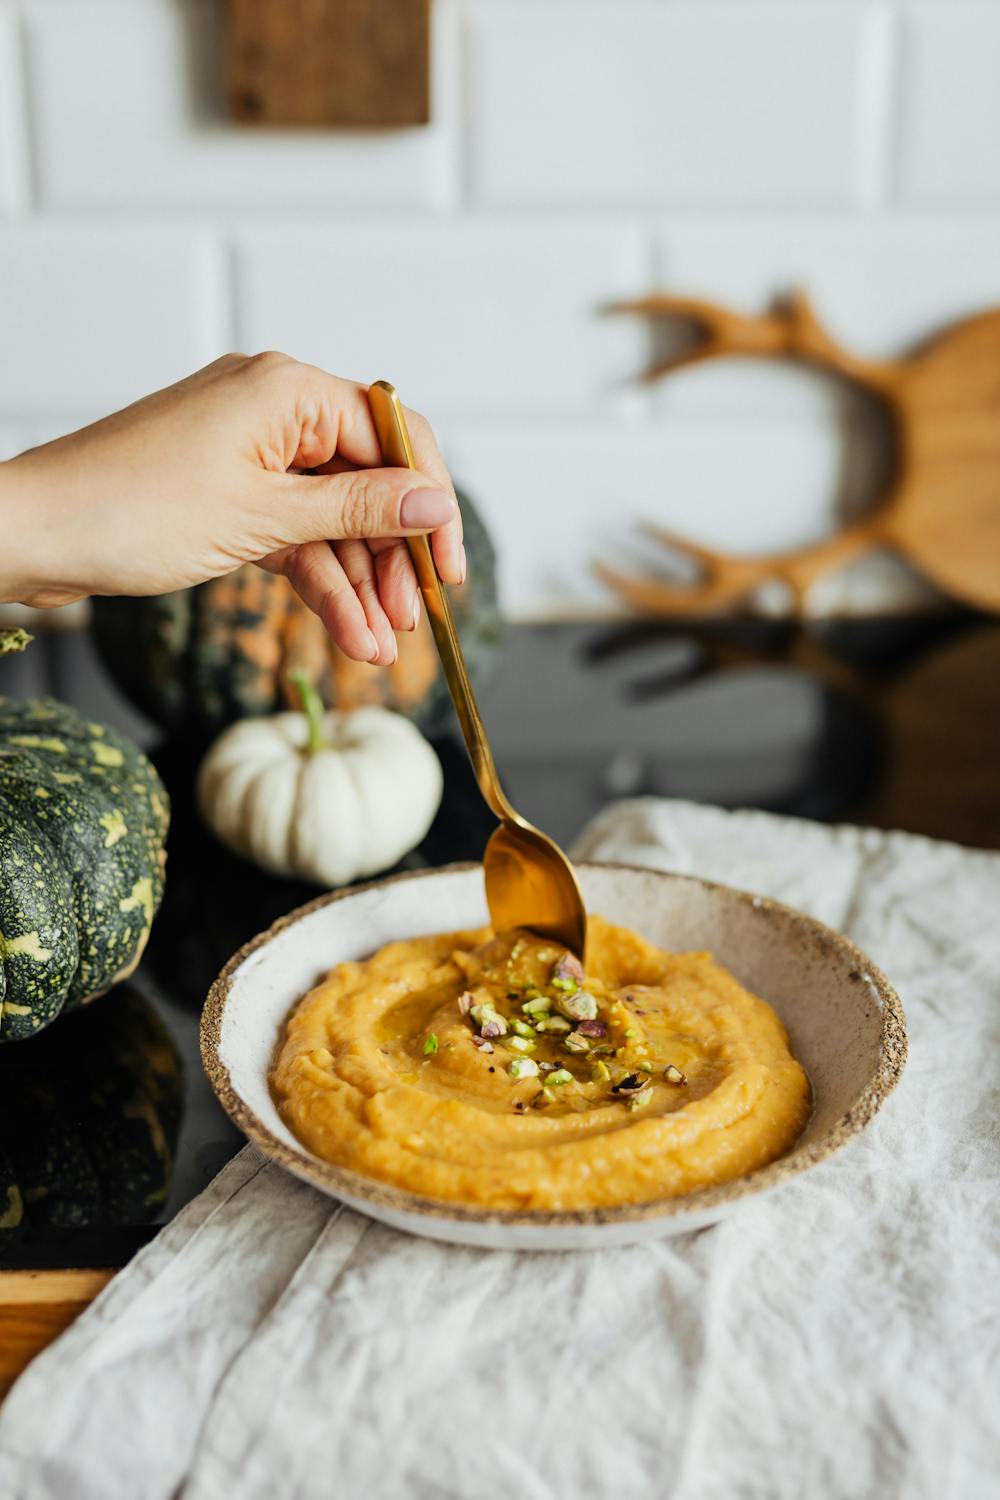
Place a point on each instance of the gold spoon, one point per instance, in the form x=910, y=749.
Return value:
x=529, y=881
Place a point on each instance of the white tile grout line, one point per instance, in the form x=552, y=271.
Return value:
x=878, y=105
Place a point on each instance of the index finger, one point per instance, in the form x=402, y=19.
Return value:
x=350, y=426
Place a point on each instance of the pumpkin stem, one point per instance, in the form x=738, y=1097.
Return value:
x=13, y=640
x=312, y=707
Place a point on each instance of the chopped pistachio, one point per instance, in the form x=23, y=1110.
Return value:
x=639, y=1101
x=576, y=1043
x=521, y=1043
x=568, y=967
x=532, y=992
x=523, y=1067
x=559, y=1077
x=521, y=1027
x=489, y=1020
x=592, y=1028
x=569, y=985
x=465, y=1003
x=674, y=1075
x=630, y=1083
x=578, y=1007
x=540, y=1006
x=430, y=1045
x=600, y=1072
x=554, y=1023
x=631, y=1031
x=482, y=1043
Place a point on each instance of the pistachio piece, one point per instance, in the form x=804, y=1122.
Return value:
x=630, y=1083
x=558, y=1078
x=600, y=1072
x=674, y=1075
x=639, y=1101
x=540, y=1006
x=569, y=985
x=576, y=1043
x=482, y=1043
x=523, y=1067
x=578, y=1007
x=430, y=1045
x=465, y=1003
x=489, y=1020
x=521, y=1027
x=592, y=1028
x=568, y=967
x=554, y=1023
x=521, y=1043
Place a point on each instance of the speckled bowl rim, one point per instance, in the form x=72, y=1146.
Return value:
x=341, y=1182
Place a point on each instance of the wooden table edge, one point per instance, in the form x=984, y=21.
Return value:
x=35, y=1307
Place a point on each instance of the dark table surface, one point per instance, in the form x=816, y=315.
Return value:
x=891, y=723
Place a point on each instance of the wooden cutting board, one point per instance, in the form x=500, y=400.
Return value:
x=35, y=1306
x=941, y=507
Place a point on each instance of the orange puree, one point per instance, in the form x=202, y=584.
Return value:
x=489, y=1070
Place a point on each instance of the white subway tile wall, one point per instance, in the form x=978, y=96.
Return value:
x=13, y=124
x=91, y=317
x=582, y=151
x=950, y=136
x=652, y=104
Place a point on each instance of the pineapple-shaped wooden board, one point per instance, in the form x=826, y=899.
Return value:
x=941, y=507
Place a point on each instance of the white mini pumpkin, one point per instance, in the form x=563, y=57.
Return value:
x=330, y=797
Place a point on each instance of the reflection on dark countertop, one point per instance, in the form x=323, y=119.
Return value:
x=891, y=722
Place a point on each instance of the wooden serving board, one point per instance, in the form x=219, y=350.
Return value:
x=941, y=507
x=35, y=1307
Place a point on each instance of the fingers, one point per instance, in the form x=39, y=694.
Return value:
x=359, y=568
x=329, y=419
x=397, y=582
x=360, y=503
x=322, y=583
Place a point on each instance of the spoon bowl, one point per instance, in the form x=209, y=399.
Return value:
x=530, y=883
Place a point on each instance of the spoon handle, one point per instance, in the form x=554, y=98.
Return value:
x=397, y=453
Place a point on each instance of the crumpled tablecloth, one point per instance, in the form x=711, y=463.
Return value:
x=840, y=1338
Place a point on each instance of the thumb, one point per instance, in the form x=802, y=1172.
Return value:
x=366, y=503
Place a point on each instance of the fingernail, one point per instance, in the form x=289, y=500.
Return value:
x=426, y=508
x=372, y=644
x=416, y=612
x=393, y=655
x=463, y=563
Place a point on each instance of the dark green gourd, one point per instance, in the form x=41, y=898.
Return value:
x=92, y=1109
x=83, y=818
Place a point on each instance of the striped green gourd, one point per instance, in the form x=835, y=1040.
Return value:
x=83, y=819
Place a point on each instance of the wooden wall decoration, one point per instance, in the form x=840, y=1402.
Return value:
x=941, y=507
x=352, y=63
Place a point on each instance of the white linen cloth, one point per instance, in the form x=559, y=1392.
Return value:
x=839, y=1339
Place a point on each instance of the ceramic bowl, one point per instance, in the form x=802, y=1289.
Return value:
x=845, y=1021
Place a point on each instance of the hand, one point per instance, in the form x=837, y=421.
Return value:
x=250, y=460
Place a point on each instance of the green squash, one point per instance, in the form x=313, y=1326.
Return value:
x=83, y=818
x=197, y=660
x=94, y=1108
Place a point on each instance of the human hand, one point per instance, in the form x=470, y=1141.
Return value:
x=196, y=479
